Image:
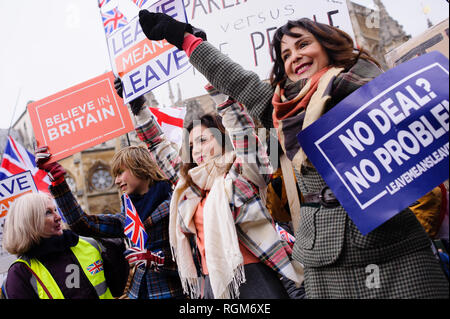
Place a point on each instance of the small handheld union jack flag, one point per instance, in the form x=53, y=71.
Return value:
x=96, y=267
x=134, y=229
x=112, y=20
x=139, y=3
x=284, y=235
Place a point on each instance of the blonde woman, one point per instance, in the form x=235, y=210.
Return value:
x=137, y=175
x=55, y=263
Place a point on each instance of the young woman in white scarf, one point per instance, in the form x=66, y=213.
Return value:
x=222, y=236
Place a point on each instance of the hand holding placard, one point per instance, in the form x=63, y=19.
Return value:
x=54, y=170
x=409, y=141
x=386, y=144
x=159, y=26
x=136, y=104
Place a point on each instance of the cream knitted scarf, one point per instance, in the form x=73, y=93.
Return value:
x=223, y=256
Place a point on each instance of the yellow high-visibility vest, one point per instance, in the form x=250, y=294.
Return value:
x=88, y=254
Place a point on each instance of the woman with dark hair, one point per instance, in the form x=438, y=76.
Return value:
x=220, y=231
x=316, y=66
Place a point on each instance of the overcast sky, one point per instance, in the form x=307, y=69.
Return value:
x=49, y=45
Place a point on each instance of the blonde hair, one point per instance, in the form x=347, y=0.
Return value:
x=138, y=160
x=24, y=223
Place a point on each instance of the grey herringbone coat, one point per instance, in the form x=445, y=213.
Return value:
x=393, y=261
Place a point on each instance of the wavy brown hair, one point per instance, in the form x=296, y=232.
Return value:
x=138, y=160
x=338, y=45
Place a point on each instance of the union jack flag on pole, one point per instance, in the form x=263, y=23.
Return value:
x=112, y=20
x=134, y=229
x=17, y=159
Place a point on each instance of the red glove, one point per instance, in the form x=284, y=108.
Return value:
x=144, y=257
x=54, y=170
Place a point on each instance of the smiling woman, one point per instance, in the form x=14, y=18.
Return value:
x=34, y=232
x=302, y=54
x=315, y=67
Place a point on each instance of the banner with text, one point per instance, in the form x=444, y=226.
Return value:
x=387, y=144
x=243, y=30
x=10, y=189
x=80, y=117
x=143, y=64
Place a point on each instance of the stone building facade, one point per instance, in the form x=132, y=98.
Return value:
x=375, y=30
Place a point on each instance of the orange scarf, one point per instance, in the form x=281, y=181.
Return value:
x=284, y=109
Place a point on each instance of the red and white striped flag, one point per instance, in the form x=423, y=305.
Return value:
x=171, y=120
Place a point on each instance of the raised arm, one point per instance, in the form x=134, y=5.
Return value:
x=224, y=74
x=107, y=225
x=232, y=79
x=164, y=152
x=252, y=161
x=99, y=225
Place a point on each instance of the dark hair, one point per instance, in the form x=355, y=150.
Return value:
x=220, y=134
x=337, y=44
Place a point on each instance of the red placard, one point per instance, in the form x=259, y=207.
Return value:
x=80, y=117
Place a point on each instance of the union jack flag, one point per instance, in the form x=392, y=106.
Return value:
x=284, y=235
x=95, y=267
x=17, y=159
x=101, y=3
x=139, y=3
x=134, y=229
x=112, y=20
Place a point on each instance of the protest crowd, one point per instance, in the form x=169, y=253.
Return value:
x=217, y=216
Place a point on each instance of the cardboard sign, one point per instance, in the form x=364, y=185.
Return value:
x=10, y=189
x=80, y=117
x=143, y=64
x=243, y=30
x=434, y=39
x=386, y=144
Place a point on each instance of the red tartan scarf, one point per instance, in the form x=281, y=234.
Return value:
x=283, y=108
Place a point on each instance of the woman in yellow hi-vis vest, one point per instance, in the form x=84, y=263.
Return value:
x=54, y=263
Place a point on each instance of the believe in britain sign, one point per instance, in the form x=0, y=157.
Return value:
x=387, y=144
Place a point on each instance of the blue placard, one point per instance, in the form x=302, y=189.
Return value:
x=387, y=144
